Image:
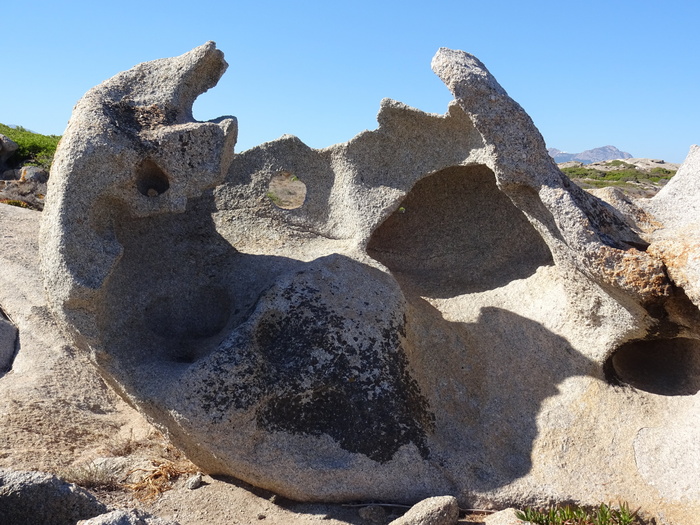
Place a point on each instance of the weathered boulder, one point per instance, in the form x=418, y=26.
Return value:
x=28, y=192
x=28, y=498
x=7, y=148
x=33, y=174
x=441, y=311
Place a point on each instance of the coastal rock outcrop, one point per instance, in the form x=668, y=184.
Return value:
x=433, y=309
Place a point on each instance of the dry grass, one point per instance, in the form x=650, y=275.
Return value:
x=92, y=476
x=158, y=479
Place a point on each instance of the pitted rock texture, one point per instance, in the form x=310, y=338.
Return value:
x=433, y=308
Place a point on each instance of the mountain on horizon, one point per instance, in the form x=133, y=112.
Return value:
x=590, y=155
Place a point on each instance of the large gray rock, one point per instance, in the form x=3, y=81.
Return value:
x=31, y=498
x=7, y=149
x=441, y=312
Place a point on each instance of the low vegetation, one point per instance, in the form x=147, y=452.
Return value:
x=15, y=202
x=623, y=175
x=34, y=149
x=568, y=515
x=92, y=475
x=144, y=467
x=620, y=174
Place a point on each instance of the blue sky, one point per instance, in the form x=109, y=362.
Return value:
x=593, y=73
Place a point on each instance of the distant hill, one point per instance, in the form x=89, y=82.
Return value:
x=589, y=156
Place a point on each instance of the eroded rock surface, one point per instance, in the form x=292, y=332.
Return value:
x=433, y=308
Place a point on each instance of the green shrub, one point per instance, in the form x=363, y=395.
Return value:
x=15, y=202
x=583, y=173
x=618, y=163
x=663, y=172
x=34, y=149
x=590, y=173
x=603, y=515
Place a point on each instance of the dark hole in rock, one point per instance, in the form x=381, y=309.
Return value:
x=456, y=233
x=669, y=367
x=151, y=181
x=195, y=314
x=286, y=191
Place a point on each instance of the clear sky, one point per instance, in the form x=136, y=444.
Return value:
x=624, y=73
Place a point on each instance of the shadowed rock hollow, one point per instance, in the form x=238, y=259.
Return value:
x=430, y=308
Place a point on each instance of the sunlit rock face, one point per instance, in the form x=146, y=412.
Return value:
x=430, y=308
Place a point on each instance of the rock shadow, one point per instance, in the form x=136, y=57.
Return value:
x=9, y=343
x=179, y=287
x=667, y=366
x=497, y=373
x=456, y=233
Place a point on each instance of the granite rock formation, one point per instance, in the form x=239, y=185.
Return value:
x=438, y=311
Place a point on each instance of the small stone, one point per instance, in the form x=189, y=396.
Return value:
x=441, y=510
x=261, y=516
x=194, y=482
x=373, y=514
x=504, y=517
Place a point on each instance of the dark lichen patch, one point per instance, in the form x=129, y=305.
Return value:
x=322, y=357
x=132, y=118
x=341, y=379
